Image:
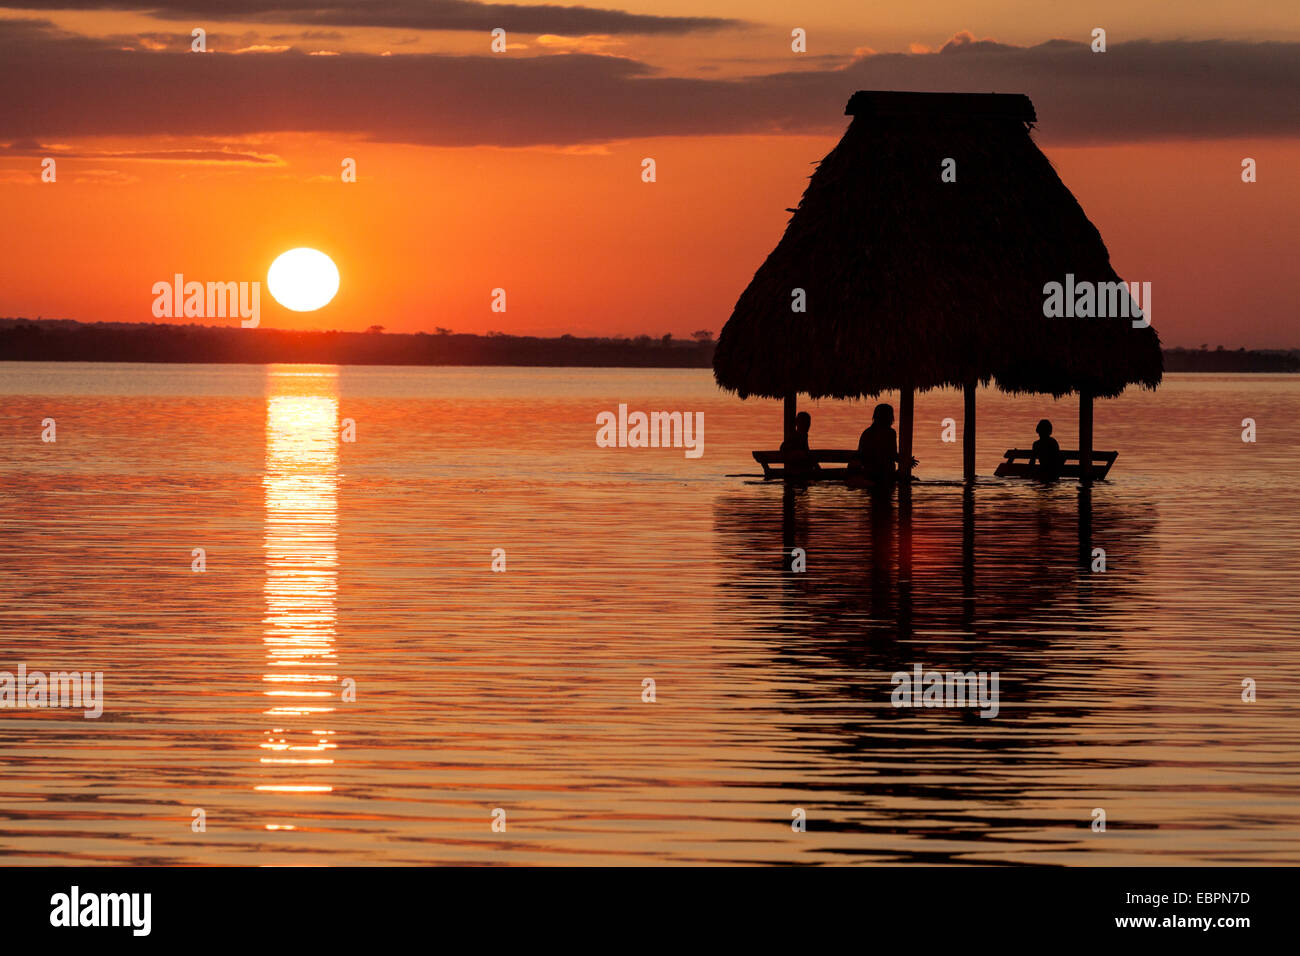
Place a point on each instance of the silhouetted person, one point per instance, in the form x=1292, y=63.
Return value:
x=878, y=447
x=797, y=454
x=1045, y=456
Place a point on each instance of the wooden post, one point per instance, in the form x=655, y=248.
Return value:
x=791, y=409
x=1085, y=437
x=968, y=435
x=905, y=437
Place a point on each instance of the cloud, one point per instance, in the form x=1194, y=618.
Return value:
x=586, y=44
x=964, y=40
x=308, y=35
x=61, y=86
x=104, y=177
x=408, y=14
x=217, y=154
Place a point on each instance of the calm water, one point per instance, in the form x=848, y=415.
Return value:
x=329, y=562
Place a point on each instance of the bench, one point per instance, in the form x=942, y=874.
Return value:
x=772, y=462
x=1017, y=464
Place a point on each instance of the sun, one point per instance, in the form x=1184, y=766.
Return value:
x=303, y=279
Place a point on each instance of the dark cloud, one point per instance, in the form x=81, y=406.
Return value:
x=59, y=85
x=306, y=35
x=29, y=147
x=409, y=14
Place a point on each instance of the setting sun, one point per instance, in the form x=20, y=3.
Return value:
x=303, y=279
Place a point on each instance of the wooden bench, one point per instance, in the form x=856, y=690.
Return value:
x=773, y=462
x=1017, y=464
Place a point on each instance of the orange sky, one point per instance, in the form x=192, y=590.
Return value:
x=449, y=208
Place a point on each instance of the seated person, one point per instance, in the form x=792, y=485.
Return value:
x=1045, y=456
x=878, y=448
x=798, y=456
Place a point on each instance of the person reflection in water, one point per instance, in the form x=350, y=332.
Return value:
x=797, y=455
x=878, y=448
x=1045, y=455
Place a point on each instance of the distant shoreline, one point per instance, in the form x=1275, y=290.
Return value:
x=66, y=340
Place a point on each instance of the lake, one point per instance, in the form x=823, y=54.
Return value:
x=340, y=675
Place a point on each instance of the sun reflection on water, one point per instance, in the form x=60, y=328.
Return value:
x=300, y=489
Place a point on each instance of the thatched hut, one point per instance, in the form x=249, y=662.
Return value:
x=919, y=253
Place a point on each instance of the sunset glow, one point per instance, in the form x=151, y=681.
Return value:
x=370, y=155
x=648, y=434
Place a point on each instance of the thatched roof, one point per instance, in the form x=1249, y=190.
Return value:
x=911, y=281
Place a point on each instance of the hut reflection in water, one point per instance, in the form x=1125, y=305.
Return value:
x=890, y=583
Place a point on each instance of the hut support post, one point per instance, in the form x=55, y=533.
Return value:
x=905, y=437
x=791, y=409
x=968, y=434
x=1085, y=437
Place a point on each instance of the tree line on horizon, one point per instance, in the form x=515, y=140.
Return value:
x=67, y=340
